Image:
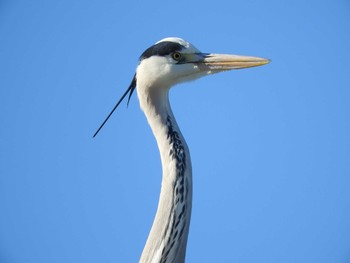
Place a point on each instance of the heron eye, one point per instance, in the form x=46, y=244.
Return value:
x=176, y=56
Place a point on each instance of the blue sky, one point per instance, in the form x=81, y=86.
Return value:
x=270, y=145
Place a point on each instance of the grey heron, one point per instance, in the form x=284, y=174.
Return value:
x=161, y=66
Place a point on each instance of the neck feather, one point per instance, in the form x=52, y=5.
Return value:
x=168, y=236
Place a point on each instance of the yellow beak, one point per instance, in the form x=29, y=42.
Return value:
x=226, y=62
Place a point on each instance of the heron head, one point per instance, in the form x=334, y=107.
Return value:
x=174, y=60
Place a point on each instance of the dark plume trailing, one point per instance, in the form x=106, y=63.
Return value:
x=130, y=90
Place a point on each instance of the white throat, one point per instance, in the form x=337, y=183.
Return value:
x=168, y=235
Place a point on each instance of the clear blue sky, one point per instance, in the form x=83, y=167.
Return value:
x=270, y=145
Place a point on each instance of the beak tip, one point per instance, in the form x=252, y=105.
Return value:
x=265, y=61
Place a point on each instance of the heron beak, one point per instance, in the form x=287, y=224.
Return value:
x=221, y=62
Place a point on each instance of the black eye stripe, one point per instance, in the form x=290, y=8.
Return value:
x=161, y=49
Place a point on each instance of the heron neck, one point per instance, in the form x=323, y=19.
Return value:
x=168, y=235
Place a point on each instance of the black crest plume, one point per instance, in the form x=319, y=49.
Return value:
x=130, y=90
